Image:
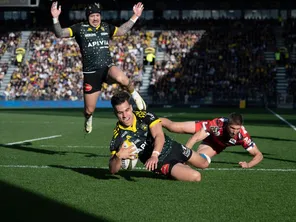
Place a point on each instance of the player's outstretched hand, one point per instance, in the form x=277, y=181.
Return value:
x=138, y=9
x=55, y=10
x=244, y=164
x=151, y=163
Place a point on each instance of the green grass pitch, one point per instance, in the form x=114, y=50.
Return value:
x=65, y=178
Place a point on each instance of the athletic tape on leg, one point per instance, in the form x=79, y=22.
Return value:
x=205, y=156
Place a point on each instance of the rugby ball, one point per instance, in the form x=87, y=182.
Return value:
x=129, y=164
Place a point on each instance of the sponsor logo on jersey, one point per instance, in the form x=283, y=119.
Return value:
x=104, y=33
x=240, y=136
x=232, y=141
x=89, y=29
x=165, y=169
x=102, y=28
x=98, y=43
x=186, y=151
x=123, y=134
x=90, y=34
x=247, y=140
x=128, y=137
x=140, y=114
x=85, y=25
x=87, y=87
x=215, y=130
x=143, y=127
x=152, y=117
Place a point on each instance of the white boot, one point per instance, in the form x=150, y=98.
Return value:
x=141, y=105
x=88, y=124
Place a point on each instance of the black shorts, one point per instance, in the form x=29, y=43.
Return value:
x=93, y=81
x=178, y=154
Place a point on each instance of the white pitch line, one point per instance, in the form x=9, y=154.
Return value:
x=72, y=146
x=36, y=139
x=170, y=115
x=142, y=168
x=281, y=118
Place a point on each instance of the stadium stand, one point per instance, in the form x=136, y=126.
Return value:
x=204, y=57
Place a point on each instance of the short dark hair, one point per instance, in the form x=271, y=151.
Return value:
x=235, y=119
x=120, y=98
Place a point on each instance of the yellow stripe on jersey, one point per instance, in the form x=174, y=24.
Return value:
x=71, y=32
x=154, y=122
x=115, y=31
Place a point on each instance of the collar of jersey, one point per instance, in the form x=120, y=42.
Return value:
x=94, y=27
x=132, y=127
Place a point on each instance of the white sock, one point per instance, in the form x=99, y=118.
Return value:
x=134, y=93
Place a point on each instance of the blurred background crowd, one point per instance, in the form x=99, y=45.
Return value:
x=181, y=61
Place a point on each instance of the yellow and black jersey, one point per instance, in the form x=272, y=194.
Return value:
x=94, y=44
x=139, y=133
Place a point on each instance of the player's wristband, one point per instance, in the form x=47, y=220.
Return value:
x=118, y=155
x=134, y=20
x=156, y=152
x=55, y=20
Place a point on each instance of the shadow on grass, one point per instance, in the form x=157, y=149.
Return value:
x=24, y=147
x=273, y=138
x=265, y=155
x=104, y=174
x=18, y=204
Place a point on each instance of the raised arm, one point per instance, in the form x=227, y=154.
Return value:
x=126, y=27
x=58, y=30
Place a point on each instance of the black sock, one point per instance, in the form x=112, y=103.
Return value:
x=86, y=115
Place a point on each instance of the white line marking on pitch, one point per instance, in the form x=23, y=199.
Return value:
x=142, y=168
x=36, y=139
x=170, y=115
x=72, y=146
x=281, y=118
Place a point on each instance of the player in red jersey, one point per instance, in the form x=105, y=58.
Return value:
x=216, y=135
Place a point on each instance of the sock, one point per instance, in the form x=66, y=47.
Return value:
x=134, y=93
x=86, y=115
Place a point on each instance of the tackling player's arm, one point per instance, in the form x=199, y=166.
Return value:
x=159, y=139
x=178, y=127
x=198, y=136
x=257, y=157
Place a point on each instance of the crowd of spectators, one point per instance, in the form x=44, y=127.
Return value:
x=223, y=61
x=225, y=64
x=8, y=43
x=54, y=70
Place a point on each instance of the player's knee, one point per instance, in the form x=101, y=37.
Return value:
x=89, y=109
x=204, y=165
x=196, y=176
